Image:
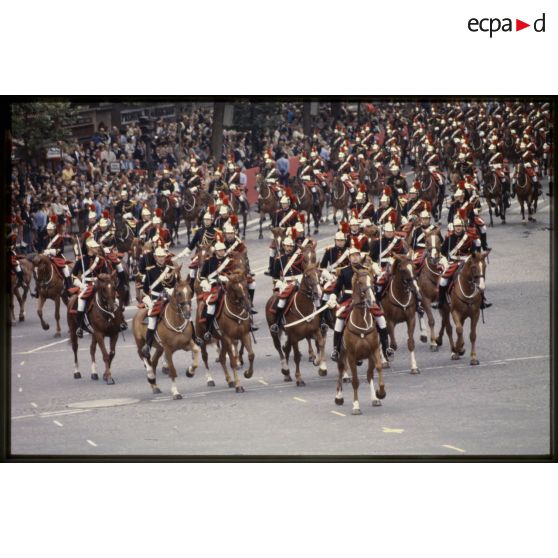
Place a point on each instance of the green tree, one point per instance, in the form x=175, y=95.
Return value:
x=40, y=125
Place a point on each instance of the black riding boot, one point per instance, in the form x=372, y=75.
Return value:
x=323, y=321
x=484, y=302
x=270, y=268
x=150, y=335
x=315, y=199
x=81, y=324
x=274, y=328
x=209, y=327
x=68, y=283
x=384, y=341
x=484, y=245
x=251, y=293
x=441, y=295
x=337, y=336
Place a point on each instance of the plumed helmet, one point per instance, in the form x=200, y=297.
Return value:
x=285, y=199
x=339, y=236
x=104, y=222
x=160, y=252
x=207, y=216
x=354, y=221
x=228, y=228
x=145, y=212
x=388, y=227
x=91, y=243
x=224, y=210
x=288, y=241
x=220, y=246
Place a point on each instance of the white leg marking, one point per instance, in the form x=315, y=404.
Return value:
x=413, y=361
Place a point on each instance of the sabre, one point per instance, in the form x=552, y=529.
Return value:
x=308, y=317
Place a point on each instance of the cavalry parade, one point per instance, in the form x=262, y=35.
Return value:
x=371, y=226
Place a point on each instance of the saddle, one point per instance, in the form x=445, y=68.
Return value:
x=59, y=263
x=203, y=300
x=72, y=305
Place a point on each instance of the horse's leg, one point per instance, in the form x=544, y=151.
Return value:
x=284, y=362
x=370, y=377
x=351, y=361
x=40, y=304
x=247, y=341
x=57, y=316
x=391, y=330
x=223, y=361
x=244, y=222
x=490, y=212
x=473, y=338
x=172, y=373
x=260, y=236
x=92, y=350
x=74, y=342
x=297, y=356
x=321, y=341
x=113, y=340
x=426, y=304
x=411, y=343
x=381, y=392
x=231, y=350
x=311, y=353
x=459, y=331
x=339, y=392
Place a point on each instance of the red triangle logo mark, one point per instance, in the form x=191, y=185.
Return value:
x=519, y=25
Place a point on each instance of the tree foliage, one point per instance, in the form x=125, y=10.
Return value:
x=42, y=124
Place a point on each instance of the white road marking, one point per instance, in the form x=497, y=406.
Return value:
x=453, y=448
x=263, y=382
x=387, y=430
x=22, y=363
x=34, y=405
x=299, y=399
x=64, y=412
x=90, y=442
x=338, y=414
x=57, y=423
x=20, y=389
x=43, y=347
x=19, y=375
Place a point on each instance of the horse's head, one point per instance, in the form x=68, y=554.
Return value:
x=372, y=232
x=182, y=298
x=310, y=283
x=237, y=291
x=105, y=286
x=309, y=256
x=403, y=266
x=42, y=263
x=362, y=287
x=433, y=244
x=477, y=266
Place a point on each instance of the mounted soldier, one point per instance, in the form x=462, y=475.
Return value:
x=342, y=299
x=159, y=235
x=145, y=224
x=356, y=236
x=204, y=237
x=124, y=204
x=495, y=162
x=418, y=238
x=458, y=245
x=11, y=242
x=364, y=207
x=159, y=281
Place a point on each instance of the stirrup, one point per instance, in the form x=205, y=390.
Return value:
x=334, y=355
x=123, y=325
x=274, y=328
x=253, y=310
x=79, y=332
x=146, y=350
x=324, y=327
x=268, y=272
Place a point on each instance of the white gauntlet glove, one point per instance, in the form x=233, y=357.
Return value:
x=205, y=286
x=332, y=301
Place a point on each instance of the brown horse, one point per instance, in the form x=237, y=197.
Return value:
x=306, y=203
x=193, y=206
x=464, y=301
x=233, y=325
x=134, y=256
x=240, y=209
x=174, y=332
x=105, y=317
x=267, y=203
x=427, y=280
x=20, y=293
x=171, y=217
x=50, y=285
x=124, y=236
x=361, y=341
x=399, y=304
x=526, y=191
x=375, y=184
x=303, y=303
x=494, y=194
x=429, y=191
x=340, y=200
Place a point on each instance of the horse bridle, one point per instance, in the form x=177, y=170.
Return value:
x=313, y=293
x=362, y=293
x=238, y=301
x=105, y=309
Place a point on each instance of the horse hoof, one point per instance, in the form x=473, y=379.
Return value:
x=454, y=356
x=156, y=391
x=415, y=371
x=356, y=412
x=423, y=338
x=287, y=378
x=386, y=365
x=339, y=401
x=211, y=383
x=285, y=372
x=300, y=383
x=22, y=318
x=189, y=372
x=94, y=376
x=376, y=403
x=57, y=334
x=177, y=396
x=346, y=380
x=433, y=348
x=474, y=362
x=439, y=341
x=381, y=393
x=165, y=370
x=239, y=389
x=46, y=327
x=109, y=382
x=461, y=352
x=77, y=375
x=231, y=384
x=248, y=374
x=322, y=372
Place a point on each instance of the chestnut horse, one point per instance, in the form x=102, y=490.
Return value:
x=21, y=296
x=233, y=325
x=306, y=203
x=50, y=285
x=193, y=206
x=340, y=200
x=494, y=194
x=526, y=191
x=399, y=304
x=464, y=301
x=174, y=332
x=105, y=316
x=303, y=303
x=427, y=280
x=171, y=217
x=361, y=341
x=267, y=203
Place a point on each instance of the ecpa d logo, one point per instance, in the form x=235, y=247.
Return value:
x=494, y=24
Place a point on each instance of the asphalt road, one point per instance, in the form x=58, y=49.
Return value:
x=451, y=408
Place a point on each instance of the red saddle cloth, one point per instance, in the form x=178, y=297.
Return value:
x=73, y=305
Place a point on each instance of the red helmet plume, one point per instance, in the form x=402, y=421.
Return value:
x=345, y=227
x=427, y=205
x=355, y=213
x=93, y=208
x=461, y=185
x=219, y=236
x=211, y=209
x=225, y=200
x=462, y=213
x=159, y=212
x=362, y=188
x=86, y=235
x=221, y=195
x=288, y=192
x=393, y=216
x=234, y=219
x=302, y=218
x=106, y=214
x=357, y=243
x=387, y=191
x=53, y=219
x=294, y=233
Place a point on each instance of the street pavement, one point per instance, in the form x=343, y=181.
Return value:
x=501, y=407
